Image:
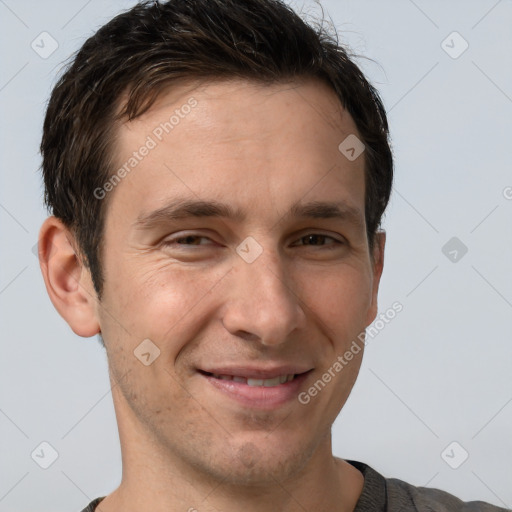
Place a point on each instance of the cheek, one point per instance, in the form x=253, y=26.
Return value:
x=162, y=300
x=340, y=297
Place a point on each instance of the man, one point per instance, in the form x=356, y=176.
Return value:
x=217, y=171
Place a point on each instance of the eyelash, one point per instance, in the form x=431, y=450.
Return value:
x=173, y=241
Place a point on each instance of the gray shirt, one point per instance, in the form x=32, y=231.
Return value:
x=381, y=494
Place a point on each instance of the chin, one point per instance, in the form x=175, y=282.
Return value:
x=260, y=462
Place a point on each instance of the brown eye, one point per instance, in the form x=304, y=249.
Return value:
x=318, y=240
x=186, y=240
x=189, y=240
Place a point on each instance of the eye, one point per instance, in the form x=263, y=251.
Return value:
x=318, y=240
x=309, y=240
x=185, y=240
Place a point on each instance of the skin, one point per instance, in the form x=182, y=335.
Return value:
x=185, y=444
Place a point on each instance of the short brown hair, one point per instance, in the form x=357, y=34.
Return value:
x=153, y=45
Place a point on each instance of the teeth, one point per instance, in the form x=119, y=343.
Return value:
x=281, y=379
x=272, y=382
x=255, y=382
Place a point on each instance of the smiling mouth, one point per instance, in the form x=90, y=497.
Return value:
x=257, y=388
x=268, y=383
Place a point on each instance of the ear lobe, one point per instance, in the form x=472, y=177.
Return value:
x=67, y=280
x=377, y=268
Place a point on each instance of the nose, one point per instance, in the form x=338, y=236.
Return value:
x=262, y=304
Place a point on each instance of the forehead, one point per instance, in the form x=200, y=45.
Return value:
x=260, y=146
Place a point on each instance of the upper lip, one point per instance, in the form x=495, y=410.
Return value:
x=257, y=372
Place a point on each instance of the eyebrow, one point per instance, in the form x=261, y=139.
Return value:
x=181, y=209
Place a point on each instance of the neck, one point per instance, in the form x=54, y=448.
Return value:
x=156, y=479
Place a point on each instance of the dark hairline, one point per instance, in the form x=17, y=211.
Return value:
x=309, y=52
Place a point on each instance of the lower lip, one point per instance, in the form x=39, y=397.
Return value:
x=259, y=397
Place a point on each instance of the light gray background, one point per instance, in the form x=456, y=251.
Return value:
x=439, y=372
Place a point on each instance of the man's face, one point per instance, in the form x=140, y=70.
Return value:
x=283, y=288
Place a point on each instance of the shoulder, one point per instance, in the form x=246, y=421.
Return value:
x=394, y=495
x=92, y=506
x=424, y=499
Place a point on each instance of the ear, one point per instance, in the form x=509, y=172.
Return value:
x=377, y=261
x=68, y=281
